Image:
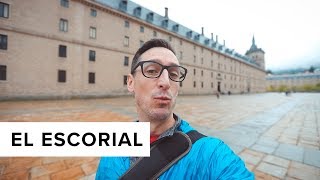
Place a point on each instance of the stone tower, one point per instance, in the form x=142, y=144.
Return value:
x=257, y=54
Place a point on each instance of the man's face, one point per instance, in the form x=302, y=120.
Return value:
x=155, y=97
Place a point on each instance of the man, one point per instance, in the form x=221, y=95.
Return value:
x=154, y=81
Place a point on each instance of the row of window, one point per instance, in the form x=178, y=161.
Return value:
x=63, y=53
x=63, y=27
x=62, y=77
x=92, y=55
x=93, y=34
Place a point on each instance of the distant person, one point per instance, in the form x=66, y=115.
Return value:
x=218, y=94
x=177, y=150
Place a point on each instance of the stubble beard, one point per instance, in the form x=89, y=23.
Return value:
x=159, y=113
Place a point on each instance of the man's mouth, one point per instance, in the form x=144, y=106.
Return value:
x=162, y=98
x=165, y=98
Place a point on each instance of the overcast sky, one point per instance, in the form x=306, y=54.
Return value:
x=288, y=31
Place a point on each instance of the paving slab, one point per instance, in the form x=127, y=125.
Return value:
x=312, y=157
x=290, y=152
x=272, y=169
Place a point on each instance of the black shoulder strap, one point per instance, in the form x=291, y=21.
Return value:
x=194, y=135
x=163, y=154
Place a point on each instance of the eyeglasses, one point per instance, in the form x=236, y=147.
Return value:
x=152, y=69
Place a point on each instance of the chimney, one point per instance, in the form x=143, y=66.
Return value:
x=217, y=38
x=166, y=12
x=202, y=29
x=212, y=36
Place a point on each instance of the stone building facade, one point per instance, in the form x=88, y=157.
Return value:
x=292, y=81
x=80, y=48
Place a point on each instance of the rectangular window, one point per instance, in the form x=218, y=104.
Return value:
x=141, y=29
x=126, y=41
x=63, y=25
x=93, y=12
x=62, y=76
x=180, y=83
x=194, y=71
x=181, y=42
x=212, y=85
x=201, y=84
x=62, y=51
x=92, y=77
x=92, y=55
x=201, y=72
x=194, y=59
x=125, y=77
x=4, y=10
x=154, y=33
x=126, y=24
x=170, y=38
x=64, y=3
x=150, y=17
x=201, y=60
x=194, y=84
x=93, y=33
x=181, y=55
x=3, y=42
x=126, y=61
x=3, y=72
x=141, y=43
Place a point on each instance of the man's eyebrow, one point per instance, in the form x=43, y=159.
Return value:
x=159, y=61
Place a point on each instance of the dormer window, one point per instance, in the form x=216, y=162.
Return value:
x=165, y=23
x=207, y=41
x=150, y=17
x=189, y=34
x=176, y=28
x=137, y=11
x=123, y=5
x=197, y=37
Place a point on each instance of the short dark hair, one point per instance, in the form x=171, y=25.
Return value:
x=148, y=45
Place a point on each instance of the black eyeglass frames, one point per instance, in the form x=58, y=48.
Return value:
x=152, y=69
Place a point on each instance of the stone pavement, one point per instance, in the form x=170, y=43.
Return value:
x=276, y=135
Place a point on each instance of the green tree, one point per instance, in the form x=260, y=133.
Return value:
x=311, y=69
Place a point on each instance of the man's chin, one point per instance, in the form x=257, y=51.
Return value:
x=161, y=114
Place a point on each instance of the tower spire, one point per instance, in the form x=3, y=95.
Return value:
x=253, y=41
x=253, y=45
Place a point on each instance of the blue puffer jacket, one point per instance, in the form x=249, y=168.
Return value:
x=209, y=158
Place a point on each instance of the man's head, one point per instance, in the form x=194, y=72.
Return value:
x=154, y=80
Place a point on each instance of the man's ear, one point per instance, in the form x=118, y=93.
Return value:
x=130, y=83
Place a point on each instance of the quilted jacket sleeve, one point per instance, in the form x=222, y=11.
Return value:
x=112, y=167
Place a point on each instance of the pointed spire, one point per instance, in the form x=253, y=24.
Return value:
x=253, y=46
x=253, y=41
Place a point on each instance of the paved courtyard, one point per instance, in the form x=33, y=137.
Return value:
x=277, y=136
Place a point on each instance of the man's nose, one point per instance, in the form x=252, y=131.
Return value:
x=164, y=80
